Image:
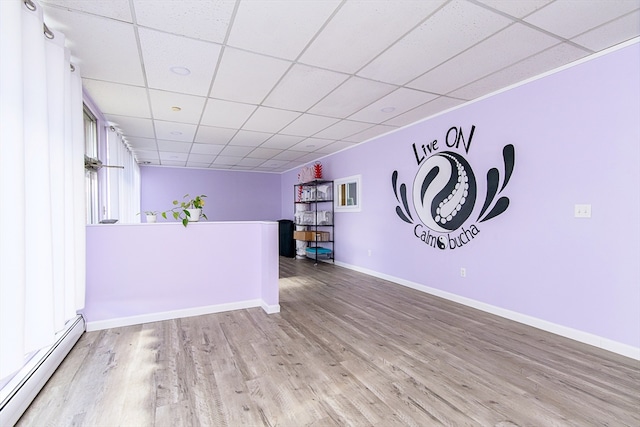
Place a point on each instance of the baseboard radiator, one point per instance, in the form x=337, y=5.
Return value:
x=18, y=393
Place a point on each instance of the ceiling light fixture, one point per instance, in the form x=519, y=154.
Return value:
x=176, y=132
x=388, y=109
x=181, y=71
x=176, y=109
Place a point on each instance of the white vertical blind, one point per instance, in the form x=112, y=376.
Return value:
x=123, y=184
x=42, y=249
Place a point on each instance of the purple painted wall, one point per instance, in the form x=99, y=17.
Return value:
x=145, y=272
x=577, y=140
x=231, y=195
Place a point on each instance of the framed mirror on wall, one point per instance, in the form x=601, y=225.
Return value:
x=348, y=194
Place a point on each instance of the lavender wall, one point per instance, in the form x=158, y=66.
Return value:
x=576, y=135
x=231, y=196
x=166, y=271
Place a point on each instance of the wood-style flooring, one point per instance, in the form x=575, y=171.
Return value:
x=346, y=350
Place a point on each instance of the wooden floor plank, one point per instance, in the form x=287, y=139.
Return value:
x=346, y=350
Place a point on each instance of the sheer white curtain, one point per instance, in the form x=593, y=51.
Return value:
x=42, y=249
x=123, y=185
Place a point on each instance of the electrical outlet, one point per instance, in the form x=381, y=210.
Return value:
x=582, y=211
x=463, y=272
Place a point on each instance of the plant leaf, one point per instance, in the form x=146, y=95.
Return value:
x=185, y=222
x=403, y=193
x=402, y=215
x=493, y=177
x=501, y=205
x=394, y=184
x=509, y=156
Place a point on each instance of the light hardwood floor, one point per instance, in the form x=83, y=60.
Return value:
x=346, y=349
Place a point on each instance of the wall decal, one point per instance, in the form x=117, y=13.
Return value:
x=444, y=191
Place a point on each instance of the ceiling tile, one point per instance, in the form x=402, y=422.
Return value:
x=250, y=139
x=618, y=31
x=206, y=148
x=162, y=52
x=111, y=42
x=311, y=144
x=174, y=163
x=309, y=124
x=109, y=96
x=162, y=104
x=401, y=100
x=264, y=153
x=429, y=109
x=570, y=18
x=247, y=77
x=343, y=129
x=151, y=156
x=271, y=163
x=280, y=28
x=142, y=144
x=289, y=155
x=227, y=161
x=201, y=165
x=201, y=158
x=214, y=135
x=341, y=47
x=115, y=9
x=132, y=126
x=335, y=147
x=248, y=162
x=282, y=141
x=205, y=20
x=303, y=86
x=370, y=133
x=451, y=30
x=226, y=114
x=310, y=157
x=508, y=46
x=517, y=9
x=530, y=67
x=355, y=94
x=236, y=151
x=174, y=146
x=173, y=131
x=173, y=157
x=266, y=119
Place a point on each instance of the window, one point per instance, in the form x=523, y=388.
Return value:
x=91, y=175
x=348, y=194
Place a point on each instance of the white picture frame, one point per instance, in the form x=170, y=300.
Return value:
x=347, y=194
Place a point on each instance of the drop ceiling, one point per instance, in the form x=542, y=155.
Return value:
x=269, y=85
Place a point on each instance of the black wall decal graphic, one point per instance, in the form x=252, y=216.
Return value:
x=445, y=190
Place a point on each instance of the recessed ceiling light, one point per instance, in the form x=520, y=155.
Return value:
x=311, y=146
x=176, y=132
x=181, y=71
x=176, y=109
x=388, y=109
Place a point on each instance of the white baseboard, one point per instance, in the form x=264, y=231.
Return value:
x=270, y=309
x=20, y=391
x=574, y=334
x=178, y=314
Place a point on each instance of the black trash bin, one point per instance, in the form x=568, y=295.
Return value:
x=286, y=242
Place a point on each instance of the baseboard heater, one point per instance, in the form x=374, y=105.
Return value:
x=20, y=391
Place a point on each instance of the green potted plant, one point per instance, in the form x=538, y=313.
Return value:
x=188, y=210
